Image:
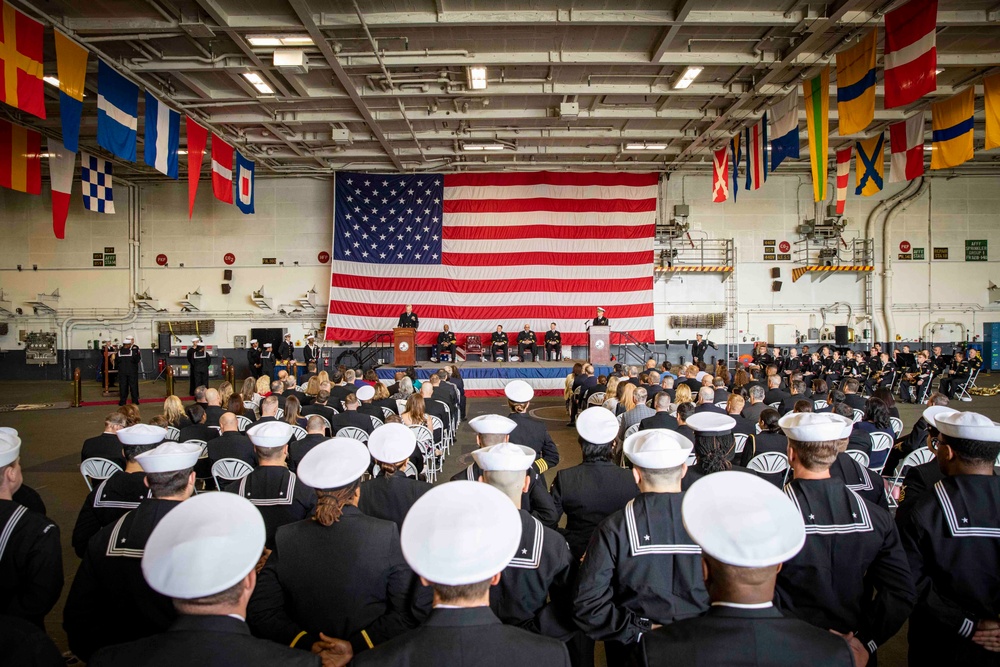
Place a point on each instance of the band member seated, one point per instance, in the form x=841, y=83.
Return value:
x=553, y=343
x=912, y=387
x=408, y=318
x=446, y=344
x=600, y=320
x=526, y=341
x=498, y=344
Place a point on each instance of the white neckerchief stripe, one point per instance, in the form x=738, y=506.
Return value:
x=741, y=605
x=532, y=562
x=114, y=550
x=638, y=549
x=116, y=504
x=862, y=525
x=8, y=529
x=269, y=502
x=954, y=527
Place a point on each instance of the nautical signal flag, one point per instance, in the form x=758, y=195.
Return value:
x=96, y=182
x=20, y=158
x=21, y=39
x=197, y=137
x=910, y=60
x=843, y=174
x=856, y=85
x=991, y=86
x=61, y=167
x=785, y=128
x=163, y=136
x=71, y=64
x=117, y=112
x=222, y=170
x=870, y=170
x=906, y=146
x=244, y=184
x=720, y=175
x=952, y=123
x=736, y=149
x=817, y=94
x=756, y=136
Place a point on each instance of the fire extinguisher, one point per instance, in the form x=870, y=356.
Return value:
x=161, y=364
x=225, y=365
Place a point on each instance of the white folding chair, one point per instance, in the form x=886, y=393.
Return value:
x=741, y=442
x=897, y=425
x=770, y=464
x=881, y=444
x=352, y=432
x=329, y=427
x=243, y=422
x=452, y=427
x=409, y=471
x=97, y=469
x=439, y=445
x=280, y=414
x=376, y=422
x=722, y=405
x=252, y=407
x=634, y=428
x=597, y=398
x=298, y=432
x=917, y=457
x=401, y=405
x=858, y=456
x=425, y=442
x=859, y=415
x=820, y=405
x=692, y=459
x=386, y=412
x=217, y=429
x=173, y=433
x=776, y=405
x=229, y=470
x=962, y=393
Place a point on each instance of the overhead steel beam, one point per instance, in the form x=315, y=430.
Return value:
x=668, y=36
x=301, y=8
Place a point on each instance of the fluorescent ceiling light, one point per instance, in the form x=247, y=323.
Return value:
x=482, y=147
x=938, y=71
x=687, y=77
x=258, y=83
x=182, y=152
x=477, y=78
x=645, y=147
x=280, y=40
x=51, y=80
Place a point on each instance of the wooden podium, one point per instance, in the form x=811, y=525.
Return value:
x=600, y=345
x=404, y=344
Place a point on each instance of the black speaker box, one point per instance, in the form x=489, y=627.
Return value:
x=163, y=342
x=272, y=336
x=776, y=286
x=840, y=334
x=227, y=274
x=775, y=273
x=226, y=288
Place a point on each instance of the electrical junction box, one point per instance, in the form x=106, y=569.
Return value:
x=340, y=136
x=569, y=109
x=781, y=334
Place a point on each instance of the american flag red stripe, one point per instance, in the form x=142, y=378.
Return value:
x=516, y=248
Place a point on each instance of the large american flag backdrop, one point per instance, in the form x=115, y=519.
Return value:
x=477, y=250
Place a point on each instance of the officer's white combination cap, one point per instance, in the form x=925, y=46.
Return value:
x=597, y=425
x=742, y=520
x=657, y=449
x=170, y=457
x=519, y=391
x=505, y=456
x=460, y=533
x=204, y=546
x=334, y=463
x=141, y=434
x=392, y=443
x=270, y=434
x=492, y=424
x=816, y=426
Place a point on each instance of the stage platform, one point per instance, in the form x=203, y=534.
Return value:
x=487, y=378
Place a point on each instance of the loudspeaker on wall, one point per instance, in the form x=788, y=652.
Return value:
x=227, y=274
x=776, y=286
x=775, y=273
x=226, y=288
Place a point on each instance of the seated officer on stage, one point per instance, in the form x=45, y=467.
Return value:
x=553, y=344
x=746, y=529
x=408, y=318
x=498, y=344
x=203, y=558
x=446, y=344
x=526, y=341
x=459, y=537
x=950, y=536
x=600, y=320
x=641, y=569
